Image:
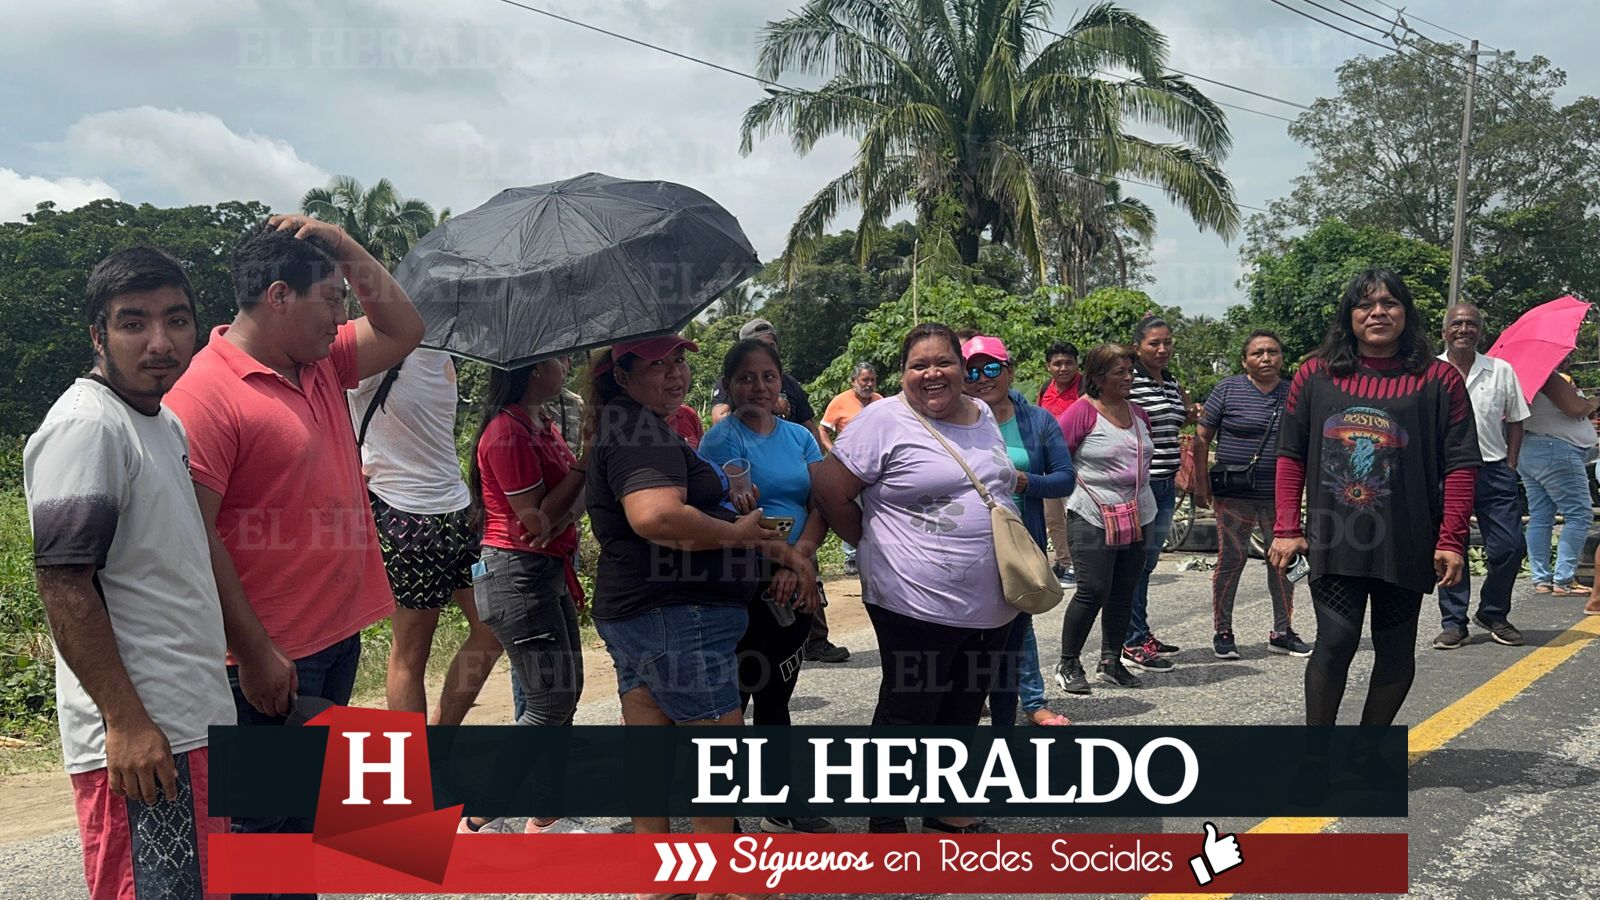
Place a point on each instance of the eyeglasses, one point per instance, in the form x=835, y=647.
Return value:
x=989, y=370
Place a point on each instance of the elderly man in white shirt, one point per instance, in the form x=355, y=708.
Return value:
x=1500, y=410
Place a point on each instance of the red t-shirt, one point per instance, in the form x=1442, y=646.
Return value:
x=686, y=422
x=295, y=516
x=516, y=455
x=1056, y=401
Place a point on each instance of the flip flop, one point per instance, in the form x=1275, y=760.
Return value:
x=1055, y=719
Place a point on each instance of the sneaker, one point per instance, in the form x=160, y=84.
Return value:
x=796, y=825
x=823, y=651
x=490, y=826
x=1502, y=631
x=1288, y=643
x=1070, y=677
x=1162, y=648
x=1145, y=658
x=931, y=823
x=850, y=567
x=1066, y=576
x=1113, y=672
x=1223, y=646
x=1450, y=639
x=563, y=825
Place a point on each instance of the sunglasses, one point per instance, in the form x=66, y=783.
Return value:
x=989, y=370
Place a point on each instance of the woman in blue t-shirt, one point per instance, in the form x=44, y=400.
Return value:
x=781, y=456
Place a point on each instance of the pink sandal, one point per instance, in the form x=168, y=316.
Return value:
x=1054, y=719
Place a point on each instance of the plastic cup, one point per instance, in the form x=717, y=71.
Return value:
x=738, y=472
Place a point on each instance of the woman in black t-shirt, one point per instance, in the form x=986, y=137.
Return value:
x=1371, y=404
x=678, y=569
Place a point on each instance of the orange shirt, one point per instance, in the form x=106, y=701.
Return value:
x=842, y=409
x=295, y=516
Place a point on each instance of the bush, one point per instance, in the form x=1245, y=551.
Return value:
x=27, y=663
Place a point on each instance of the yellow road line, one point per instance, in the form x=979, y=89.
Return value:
x=1448, y=723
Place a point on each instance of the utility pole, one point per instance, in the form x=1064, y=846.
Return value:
x=1458, y=243
x=916, y=313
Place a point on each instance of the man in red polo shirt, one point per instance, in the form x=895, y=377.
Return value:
x=275, y=466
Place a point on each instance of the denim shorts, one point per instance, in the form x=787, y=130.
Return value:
x=684, y=653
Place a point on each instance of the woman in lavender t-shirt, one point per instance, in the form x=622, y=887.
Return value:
x=925, y=548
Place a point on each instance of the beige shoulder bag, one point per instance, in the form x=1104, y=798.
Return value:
x=1027, y=579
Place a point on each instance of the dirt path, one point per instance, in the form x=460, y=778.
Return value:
x=40, y=803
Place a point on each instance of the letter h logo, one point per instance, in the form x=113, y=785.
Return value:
x=360, y=768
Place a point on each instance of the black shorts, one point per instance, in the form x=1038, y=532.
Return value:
x=428, y=557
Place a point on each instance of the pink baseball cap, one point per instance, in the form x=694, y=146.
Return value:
x=983, y=345
x=650, y=349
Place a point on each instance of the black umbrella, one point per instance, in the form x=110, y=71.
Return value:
x=547, y=270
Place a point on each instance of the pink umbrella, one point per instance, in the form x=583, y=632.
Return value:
x=1539, y=340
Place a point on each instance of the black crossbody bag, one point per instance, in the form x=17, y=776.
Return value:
x=1236, y=478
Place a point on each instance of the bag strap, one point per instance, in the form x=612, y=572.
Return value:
x=1271, y=424
x=379, y=398
x=983, y=492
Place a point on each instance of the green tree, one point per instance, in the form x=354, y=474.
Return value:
x=44, y=340
x=1385, y=156
x=378, y=218
x=973, y=102
x=1295, y=292
x=1090, y=220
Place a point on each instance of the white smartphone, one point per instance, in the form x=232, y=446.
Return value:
x=1299, y=568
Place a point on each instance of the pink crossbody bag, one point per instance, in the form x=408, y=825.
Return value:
x=1121, y=520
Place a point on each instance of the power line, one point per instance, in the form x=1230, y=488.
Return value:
x=1458, y=34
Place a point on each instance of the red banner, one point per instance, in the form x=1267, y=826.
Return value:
x=838, y=863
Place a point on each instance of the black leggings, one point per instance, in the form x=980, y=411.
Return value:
x=1341, y=603
x=769, y=663
x=933, y=674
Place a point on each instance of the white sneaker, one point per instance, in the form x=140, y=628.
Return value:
x=565, y=825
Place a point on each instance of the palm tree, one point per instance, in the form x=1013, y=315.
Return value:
x=973, y=103
x=1087, y=220
x=378, y=219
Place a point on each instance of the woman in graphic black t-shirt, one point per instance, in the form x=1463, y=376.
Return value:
x=1382, y=437
x=677, y=568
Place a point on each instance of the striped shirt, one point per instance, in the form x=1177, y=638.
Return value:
x=1240, y=415
x=1163, y=403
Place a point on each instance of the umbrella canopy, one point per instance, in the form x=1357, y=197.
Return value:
x=543, y=271
x=1539, y=340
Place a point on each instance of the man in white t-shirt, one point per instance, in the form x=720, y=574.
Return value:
x=422, y=511
x=124, y=573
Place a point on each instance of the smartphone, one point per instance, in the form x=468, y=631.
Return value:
x=783, y=524
x=1299, y=568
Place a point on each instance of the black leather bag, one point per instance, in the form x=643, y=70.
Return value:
x=1235, y=479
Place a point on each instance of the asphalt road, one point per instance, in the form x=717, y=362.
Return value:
x=1507, y=807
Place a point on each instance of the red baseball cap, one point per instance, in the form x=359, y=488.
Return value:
x=650, y=349
x=982, y=345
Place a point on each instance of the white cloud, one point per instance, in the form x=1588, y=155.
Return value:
x=20, y=193
x=193, y=155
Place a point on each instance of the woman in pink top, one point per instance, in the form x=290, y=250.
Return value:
x=525, y=489
x=1111, y=448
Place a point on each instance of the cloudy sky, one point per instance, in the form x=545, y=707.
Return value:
x=198, y=101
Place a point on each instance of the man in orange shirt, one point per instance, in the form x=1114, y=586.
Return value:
x=275, y=466
x=841, y=409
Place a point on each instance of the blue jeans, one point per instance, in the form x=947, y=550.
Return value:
x=1155, y=535
x=1498, y=509
x=1556, y=479
x=849, y=551
x=329, y=673
x=1030, y=683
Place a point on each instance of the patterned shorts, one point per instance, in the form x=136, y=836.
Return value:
x=428, y=557
x=134, y=850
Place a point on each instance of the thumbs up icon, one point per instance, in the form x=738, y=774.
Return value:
x=1218, y=855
